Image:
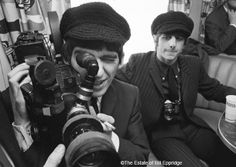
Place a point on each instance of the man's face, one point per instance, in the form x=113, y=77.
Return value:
x=108, y=62
x=168, y=47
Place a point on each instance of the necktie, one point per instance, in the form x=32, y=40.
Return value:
x=94, y=104
x=172, y=83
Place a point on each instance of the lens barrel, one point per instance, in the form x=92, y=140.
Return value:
x=87, y=145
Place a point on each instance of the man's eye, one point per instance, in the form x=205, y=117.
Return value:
x=179, y=38
x=107, y=59
x=167, y=37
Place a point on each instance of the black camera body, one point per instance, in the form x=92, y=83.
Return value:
x=171, y=110
x=31, y=43
x=50, y=76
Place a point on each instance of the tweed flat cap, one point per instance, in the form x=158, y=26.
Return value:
x=94, y=21
x=172, y=21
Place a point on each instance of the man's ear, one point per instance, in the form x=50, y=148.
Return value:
x=155, y=38
x=74, y=51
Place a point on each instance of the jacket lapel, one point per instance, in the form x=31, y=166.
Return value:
x=109, y=100
x=155, y=73
x=185, y=77
x=224, y=16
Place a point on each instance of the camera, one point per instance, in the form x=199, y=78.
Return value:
x=50, y=76
x=171, y=110
x=57, y=91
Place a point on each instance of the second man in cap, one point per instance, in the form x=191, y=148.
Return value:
x=169, y=82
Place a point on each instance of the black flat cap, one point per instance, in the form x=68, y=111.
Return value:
x=94, y=21
x=171, y=22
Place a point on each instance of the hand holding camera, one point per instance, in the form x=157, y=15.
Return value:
x=17, y=77
x=107, y=124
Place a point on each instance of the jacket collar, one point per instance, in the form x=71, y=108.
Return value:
x=155, y=73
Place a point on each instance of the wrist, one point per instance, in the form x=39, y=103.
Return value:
x=21, y=121
x=23, y=135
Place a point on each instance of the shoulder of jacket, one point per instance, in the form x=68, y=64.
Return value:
x=125, y=89
x=190, y=59
x=140, y=56
x=216, y=12
x=124, y=85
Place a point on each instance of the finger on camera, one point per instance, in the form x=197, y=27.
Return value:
x=18, y=68
x=106, y=118
x=107, y=127
x=18, y=77
x=25, y=80
x=56, y=156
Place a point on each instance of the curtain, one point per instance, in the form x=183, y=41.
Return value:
x=18, y=16
x=179, y=5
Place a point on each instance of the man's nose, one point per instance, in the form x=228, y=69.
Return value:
x=172, y=42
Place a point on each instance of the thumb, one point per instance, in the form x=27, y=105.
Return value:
x=106, y=118
x=55, y=157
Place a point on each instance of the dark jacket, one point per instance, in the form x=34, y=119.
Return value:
x=219, y=33
x=122, y=102
x=29, y=158
x=142, y=71
x=7, y=137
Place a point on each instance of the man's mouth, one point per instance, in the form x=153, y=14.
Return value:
x=99, y=83
x=172, y=51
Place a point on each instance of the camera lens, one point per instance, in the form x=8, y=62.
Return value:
x=92, y=159
x=92, y=149
x=83, y=135
x=87, y=145
x=44, y=73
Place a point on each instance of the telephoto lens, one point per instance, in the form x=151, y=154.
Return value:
x=87, y=144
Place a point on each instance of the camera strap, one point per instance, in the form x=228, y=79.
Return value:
x=178, y=78
x=174, y=85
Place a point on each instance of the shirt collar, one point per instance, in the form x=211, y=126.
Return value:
x=164, y=67
x=99, y=100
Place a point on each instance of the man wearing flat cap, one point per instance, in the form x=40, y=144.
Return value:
x=220, y=28
x=98, y=30
x=169, y=82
